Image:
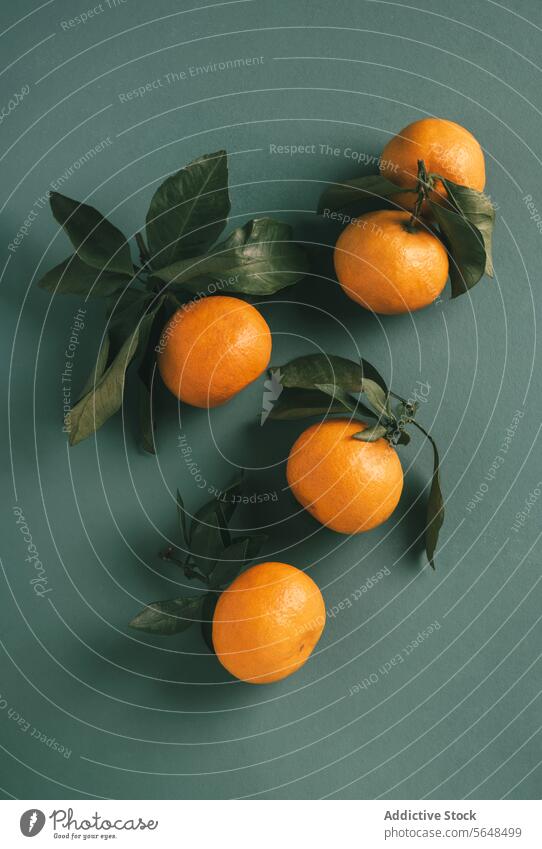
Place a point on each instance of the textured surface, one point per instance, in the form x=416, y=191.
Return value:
x=267, y=622
x=390, y=703
x=381, y=264
x=446, y=149
x=213, y=349
x=347, y=485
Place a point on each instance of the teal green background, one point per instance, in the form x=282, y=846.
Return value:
x=146, y=717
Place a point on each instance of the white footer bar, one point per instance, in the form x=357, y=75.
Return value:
x=268, y=824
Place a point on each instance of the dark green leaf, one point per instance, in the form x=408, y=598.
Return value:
x=189, y=210
x=435, y=509
x=169, y=617
x=208, y=535
x=371, y=434
x=207, y=613
x=465, y=246
x=149, y=340
x=232, y=560
x=128, y=313
x=124, y=301
x=146, y=419
x=144, y=256
x=358, y=191
x=98, y=242
x=435, y=504
x=213, y=513
x=75, y=277
x=229, y=498
x=105, y=398
x=478, y=210
x=378, y=399
x=257, y=259
x=307, y=372
x=146, y=372
x=255, y=545
x=301, y=403
x=183, y=518
x=337, y=394
x=99, y=368
x=346, y=400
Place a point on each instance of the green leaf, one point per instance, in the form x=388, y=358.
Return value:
x=371, y=434
x=465, y=246
x=169, y=617
x=344, y=398
x=149, y=340
x=207, y=612
x=213, y=514
x=377, y=397
x=105, y=397
x=314, y=369
x=98, y=242
x=189, y=210
x=182, y=516
x=338, y=394
x=146, y=372
x=361, y=190
x=256, y=259
x=300, y=403
x=435, y=510
x=242, y=551
x=128, y=313
x=99, y=368
x=146, y=419
x=232, y=560
x=75, y=277
x=255, y=545
x=209, y=535
x=435, y=504
x=229, y=498
x=478, y=210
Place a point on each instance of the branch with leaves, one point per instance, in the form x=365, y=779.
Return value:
x=325, y=384
x=465, y=218
x=178, y=257
x=208, y=554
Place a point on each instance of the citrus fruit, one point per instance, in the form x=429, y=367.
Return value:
x=212, y=348
x=388, y=265
x=267, y=622
x=347, y=485
x=445, y=147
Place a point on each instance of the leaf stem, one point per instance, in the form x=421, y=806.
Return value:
x=189, y=571
x=425, y=433
x=421, y=188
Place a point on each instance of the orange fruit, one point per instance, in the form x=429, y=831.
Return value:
x=389, y=267
x=267, y=622
x=212, y=348
x=347, y=485
x=446, y=148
